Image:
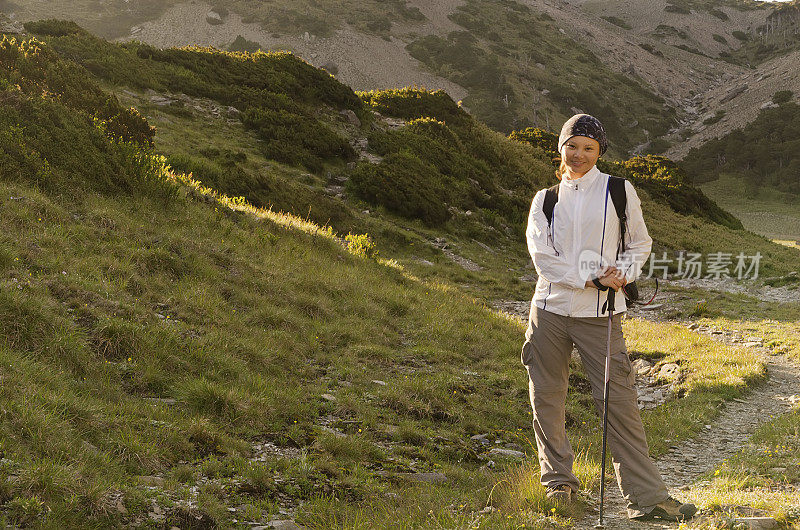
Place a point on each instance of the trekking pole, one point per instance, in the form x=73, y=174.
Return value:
x=610, y=305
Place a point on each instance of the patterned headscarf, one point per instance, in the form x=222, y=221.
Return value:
x=584, y=125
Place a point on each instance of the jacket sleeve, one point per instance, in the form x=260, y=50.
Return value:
x=638, y=242
x=549, y=264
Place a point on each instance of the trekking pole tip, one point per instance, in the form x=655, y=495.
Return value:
x=599, y=525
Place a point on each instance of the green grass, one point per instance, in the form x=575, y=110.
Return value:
x=755, y=480
x=91, y=350
x=766, y=211
x=161, y=332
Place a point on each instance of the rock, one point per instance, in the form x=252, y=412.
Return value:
x=509, y=453
x=651, y=307
x=768, y=105
x=646, y=398
x=694, y=326
x=480, y=438
x=642, y=366
x=351, y=117
x=735, y=92
x=214, y=18
x=151, y=480
x=283, y=524
x=328, y=397
x=756, y=522
x=379, y=382
x=515, y=447
x=669, y=371
x=777, y=470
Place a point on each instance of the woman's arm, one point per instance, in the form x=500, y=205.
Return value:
x=549, y=264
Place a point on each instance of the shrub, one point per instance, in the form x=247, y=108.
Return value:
x=412, y=103
x=54, y=28
x=617, y=22
x=740, y=35
x=782, y=96
x=650, y=49
x=540, y=138
x=361, y=245
x=720, y=39
x=403, y=184
x=719, y=14
x=763, y=152
x=677, y=9
x=240, y=44
x=715, y=118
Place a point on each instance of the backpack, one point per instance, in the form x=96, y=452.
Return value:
x=616, y=186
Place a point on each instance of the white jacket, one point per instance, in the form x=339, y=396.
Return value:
x=585, y=227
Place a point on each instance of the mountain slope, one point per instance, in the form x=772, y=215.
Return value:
x=693, y=55
x=175, y=357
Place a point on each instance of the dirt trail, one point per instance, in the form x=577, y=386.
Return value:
x=687, y=462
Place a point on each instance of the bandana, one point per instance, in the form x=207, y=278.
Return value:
x=584, y=125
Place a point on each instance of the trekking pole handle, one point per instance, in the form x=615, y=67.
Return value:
x=612, y=295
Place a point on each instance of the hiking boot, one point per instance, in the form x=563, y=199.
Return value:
x=669, y=510
x=560, y=493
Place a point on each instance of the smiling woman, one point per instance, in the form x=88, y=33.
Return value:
x=566, y=312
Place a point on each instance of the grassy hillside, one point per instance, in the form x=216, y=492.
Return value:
x=764, y=211
x=173, y=356
x=762, y=153
x=241, y=113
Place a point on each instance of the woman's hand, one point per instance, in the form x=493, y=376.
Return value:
x=613, y=278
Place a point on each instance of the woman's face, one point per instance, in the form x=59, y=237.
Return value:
x=580, y=153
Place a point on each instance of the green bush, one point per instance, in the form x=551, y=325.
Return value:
x=277, y=93
x=617, y=22
x=677, y=9
x=715, y=118
x=361, y=245
x=719, y=14
x=240, y=44
x=782, y=96
x=403, y=184
x=740, y=35
x=540, y=138
x=54, y=28
x=650, y=49
x=720, y=39
x=763, y=152
x=413, y=103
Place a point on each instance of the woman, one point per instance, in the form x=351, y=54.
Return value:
x=567, y=309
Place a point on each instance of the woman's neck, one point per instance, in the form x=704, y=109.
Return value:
x=571, y=175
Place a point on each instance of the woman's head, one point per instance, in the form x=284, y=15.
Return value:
x=581, y=142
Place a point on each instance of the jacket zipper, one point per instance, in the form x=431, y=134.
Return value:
x=578, y=220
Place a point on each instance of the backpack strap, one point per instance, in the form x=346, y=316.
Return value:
x=616, y=186
x=550, y=200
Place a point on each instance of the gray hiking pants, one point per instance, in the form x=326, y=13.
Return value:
x=546, y=354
